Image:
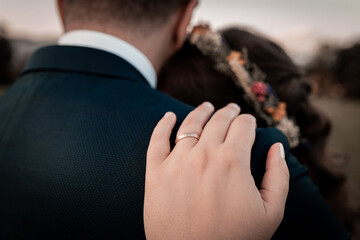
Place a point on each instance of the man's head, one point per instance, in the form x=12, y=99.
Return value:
x=162, y=22
x=125, y=12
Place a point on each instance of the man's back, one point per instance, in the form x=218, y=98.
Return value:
x=73, y=137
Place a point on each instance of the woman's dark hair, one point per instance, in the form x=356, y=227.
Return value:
x=190, y=77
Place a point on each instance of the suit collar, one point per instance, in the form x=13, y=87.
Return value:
x=114, y=45
x=82, y=60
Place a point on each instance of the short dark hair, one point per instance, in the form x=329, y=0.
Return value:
x=128, y=12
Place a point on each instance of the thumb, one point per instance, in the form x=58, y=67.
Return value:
x=159, y=146
x=275, y=184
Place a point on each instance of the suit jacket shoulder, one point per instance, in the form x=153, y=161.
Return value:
x=74, y=131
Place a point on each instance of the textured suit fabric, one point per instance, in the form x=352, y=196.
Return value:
x=74, y=130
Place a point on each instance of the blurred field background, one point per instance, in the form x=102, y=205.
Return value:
x=322, y=36
x=345, y=115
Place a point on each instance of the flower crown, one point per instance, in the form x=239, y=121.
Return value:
x=247, y=76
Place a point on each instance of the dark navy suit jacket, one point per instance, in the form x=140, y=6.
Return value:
x=74, y=131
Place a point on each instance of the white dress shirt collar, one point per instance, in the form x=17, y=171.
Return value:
x=114, y=45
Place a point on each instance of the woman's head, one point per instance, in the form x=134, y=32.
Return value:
x=192, y=78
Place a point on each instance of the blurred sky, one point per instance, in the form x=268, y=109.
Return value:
x=298, y=24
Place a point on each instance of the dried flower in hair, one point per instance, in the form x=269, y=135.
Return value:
x=278, y=112
x=235, y=55
x=259, y=90
x=247, y=76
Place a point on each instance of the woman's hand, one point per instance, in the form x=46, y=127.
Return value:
x=203, y=189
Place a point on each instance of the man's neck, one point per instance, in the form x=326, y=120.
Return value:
x=152, y=45
x=114, y=45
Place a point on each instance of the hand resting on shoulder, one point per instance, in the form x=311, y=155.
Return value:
x=203, y=188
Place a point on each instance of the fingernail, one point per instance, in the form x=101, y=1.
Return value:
x=208, y=105
x=282, y=151
x=168, y=114
x=233, y=105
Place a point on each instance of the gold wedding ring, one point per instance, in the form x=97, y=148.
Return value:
x=186, y=135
